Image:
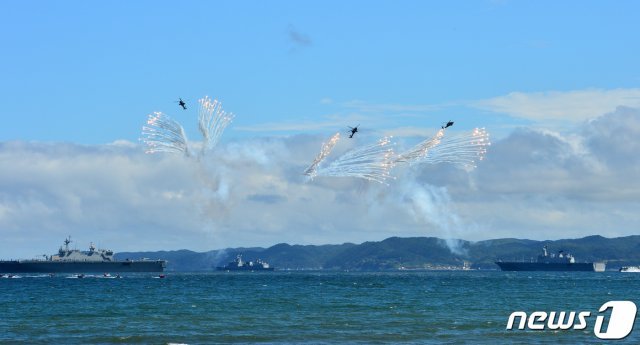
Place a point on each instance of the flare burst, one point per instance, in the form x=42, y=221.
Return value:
x=372, y=162
x=212, y=120
x=325, y=150
x=162, y=134
x=463, y=149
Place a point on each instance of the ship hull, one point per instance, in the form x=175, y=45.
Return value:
x=80, y=267
x=552, y=266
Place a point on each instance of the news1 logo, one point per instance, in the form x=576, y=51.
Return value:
x=620, y=322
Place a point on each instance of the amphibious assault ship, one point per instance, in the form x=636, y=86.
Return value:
x=76, y=261
x=239, y=265
x=552, y=262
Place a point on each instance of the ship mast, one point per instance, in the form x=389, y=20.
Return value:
x=66, y=243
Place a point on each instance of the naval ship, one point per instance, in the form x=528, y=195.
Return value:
x=552, y=262
x=76, y=261
x=239, y=265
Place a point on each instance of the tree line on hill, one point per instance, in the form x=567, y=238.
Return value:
x=404, y=253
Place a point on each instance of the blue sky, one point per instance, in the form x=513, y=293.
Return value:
x=89, y=72
x=556, y=83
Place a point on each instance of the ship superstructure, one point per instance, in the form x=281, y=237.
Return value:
x=93, y=255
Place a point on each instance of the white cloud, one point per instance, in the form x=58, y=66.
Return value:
x=572, y=106
x=533, y=184
x=540, y=184
x=556, y=108
x=393, y=108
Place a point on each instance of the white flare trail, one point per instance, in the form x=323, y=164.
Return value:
x=420, y=151
x=212, y=121
x=463, y=150
x=325, y=150
x=163, y=134
x=372, y=162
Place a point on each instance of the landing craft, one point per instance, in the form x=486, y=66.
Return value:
x=354, y=130
x=182, y=104
x=449, y=124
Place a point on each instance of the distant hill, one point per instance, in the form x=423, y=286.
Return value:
x=411, y=253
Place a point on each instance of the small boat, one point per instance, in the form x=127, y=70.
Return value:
x=630, y=269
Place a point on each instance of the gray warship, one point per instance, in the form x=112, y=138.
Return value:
x=552, y=262
x=239, y=265
x=76, y=261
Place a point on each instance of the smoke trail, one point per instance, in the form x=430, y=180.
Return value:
x=433, y=205
x=325, y=150
x=371, y=162
x=162, y=134
x=212, y=120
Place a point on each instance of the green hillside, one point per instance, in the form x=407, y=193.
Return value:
x=410, y=253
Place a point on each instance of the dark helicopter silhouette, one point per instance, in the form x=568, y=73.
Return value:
x=354, y=130
x=182, y=104
x=447, y=125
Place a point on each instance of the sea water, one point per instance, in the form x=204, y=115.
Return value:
x=448, y=307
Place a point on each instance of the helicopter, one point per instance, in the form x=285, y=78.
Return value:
x=182, y=103
x=447, y=125
x=354, y=130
